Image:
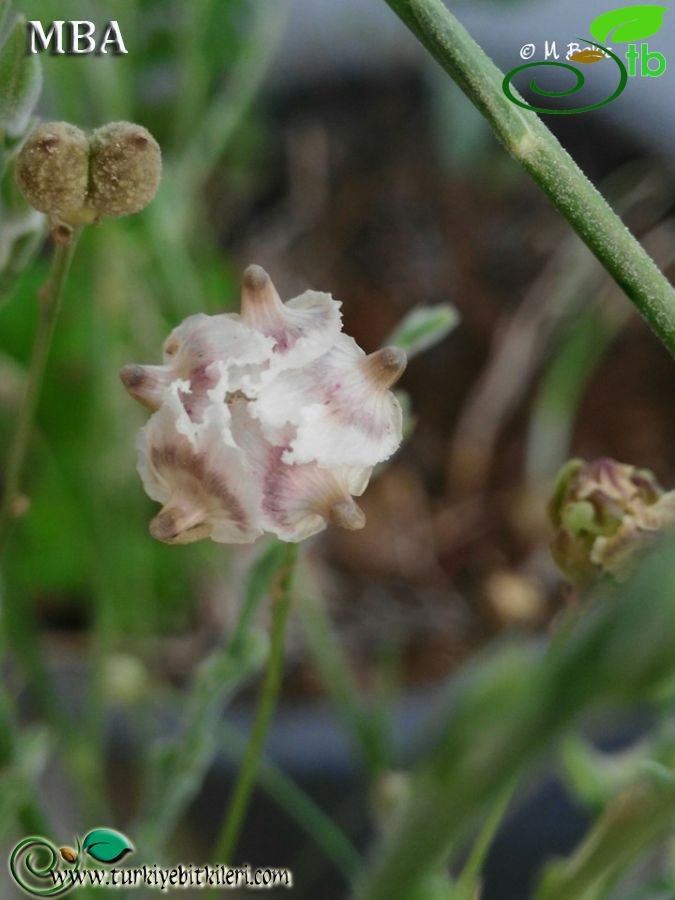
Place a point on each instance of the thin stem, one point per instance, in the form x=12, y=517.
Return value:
x=243, y=788
x=177, y=768
x=49, y=299
x=329, y=657
x=299, y=806
x=533, y=146
x=468, y=883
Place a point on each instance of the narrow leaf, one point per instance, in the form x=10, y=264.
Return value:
x=630, y=23
x=107, y=845
x=423, y=327
x=20, y=82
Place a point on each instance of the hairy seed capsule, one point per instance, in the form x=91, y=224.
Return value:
x=125, y=169
x=52, y=170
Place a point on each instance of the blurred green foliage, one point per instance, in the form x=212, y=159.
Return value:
x=190, y=76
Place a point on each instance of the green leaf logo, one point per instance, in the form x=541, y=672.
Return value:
x=630, y=23
x=107, y=845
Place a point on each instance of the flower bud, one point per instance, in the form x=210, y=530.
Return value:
x=125, y=169
x=605, y=515
x=52, y=170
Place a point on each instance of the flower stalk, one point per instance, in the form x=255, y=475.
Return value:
x=533, y=146
x=269, y=695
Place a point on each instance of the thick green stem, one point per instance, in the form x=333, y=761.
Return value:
x=243, y=788
x=49, y=298
x=533, y=146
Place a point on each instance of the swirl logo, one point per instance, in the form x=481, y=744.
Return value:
x=630, y=23
x=35, y=863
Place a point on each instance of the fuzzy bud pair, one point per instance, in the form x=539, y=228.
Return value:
x=75, y=179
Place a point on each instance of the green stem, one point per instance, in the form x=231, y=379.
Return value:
x=329, y=657
x=533, y=146
x=320, y=827
x=468, y=883
x=243, y=788
x=177, y=768
x=49, y=298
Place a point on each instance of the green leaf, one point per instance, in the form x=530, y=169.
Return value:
x=20, y=82
x=423, y=327
x=630, y=23
x=107, y=845
x=594, y=776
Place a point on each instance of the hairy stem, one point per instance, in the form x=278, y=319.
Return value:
x=532, y=145
x=243, y=788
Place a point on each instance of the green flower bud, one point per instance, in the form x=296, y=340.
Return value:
x=125, y=169
x=605, y=515
x=52, y=170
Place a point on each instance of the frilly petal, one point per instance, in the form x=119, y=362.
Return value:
x=340, y=406
x=301, y=330
x=195, y=352
x=300, y=500
x=297, y=500
x=199, y=476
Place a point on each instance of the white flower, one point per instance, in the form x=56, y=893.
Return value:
x=266, y=421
